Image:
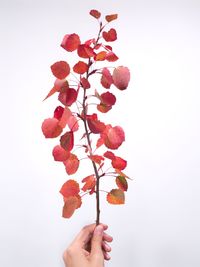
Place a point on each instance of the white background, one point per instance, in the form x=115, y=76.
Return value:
x=159, y=41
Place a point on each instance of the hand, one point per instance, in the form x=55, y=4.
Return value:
x=89, y=248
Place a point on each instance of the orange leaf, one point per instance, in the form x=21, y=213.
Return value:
x=70, y=42
x=67, y=141
x=122, y=183
x=111, y=17
x=90, y=182
x=51, y=128
x=100, y=56
x=110, y=36
x=103, y=108
x=60, y=69
x=116, y=197
x=70, y=206
x=70, y=188
x=80, y=67
x=71, y=164
x=96, y=158
x=60, y=154
x=114, y=137
x=121, y=77
x=95, y=13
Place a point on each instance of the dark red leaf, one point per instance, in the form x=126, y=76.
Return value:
x=60, y=69
x=67, y=141
x=110, y=36
x=108, y=99
x=70, y=42
x=111, y=57
x=58, y=112
x=85, y=83
x=95, y=13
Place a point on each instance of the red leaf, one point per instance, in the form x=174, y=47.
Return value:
x=96, y=158
x=121, y=77
x=109, y=155
x=70, y=188
x=94, y=124
x=85, y=83
x=95, y=13
x=100, y=56
x=85, y=51
x=111, y=17
x=70, y=206
x=60, y=154
x=122, y=183
x=58, y=112
x=110, y=36
x=51, y=128
x=90, y=182
x=70, y=42
x=116, y=197
x=114, y=137
x=108, y=99
x=60, y=69
x=68, y=97
x=119, y=163
x=106, y=79
x=111, y=57
x=67, y=141
x=80, y=67
x=71, y=164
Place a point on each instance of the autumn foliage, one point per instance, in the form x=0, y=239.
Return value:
x=82, y=105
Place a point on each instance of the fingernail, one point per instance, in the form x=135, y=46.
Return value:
x=98, y=230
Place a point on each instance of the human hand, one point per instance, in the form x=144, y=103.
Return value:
x=89, y=248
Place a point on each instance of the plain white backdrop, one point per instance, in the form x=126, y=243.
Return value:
x=160, y=112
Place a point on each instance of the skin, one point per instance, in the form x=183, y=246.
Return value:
x=90, y=247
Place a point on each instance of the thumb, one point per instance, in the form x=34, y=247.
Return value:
x=96, y=244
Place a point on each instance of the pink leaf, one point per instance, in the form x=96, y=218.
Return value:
x=60, y=154
x=121, y=77
x=71, y=164
x=70, y=42
x=51, y=128
x=114, y=137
